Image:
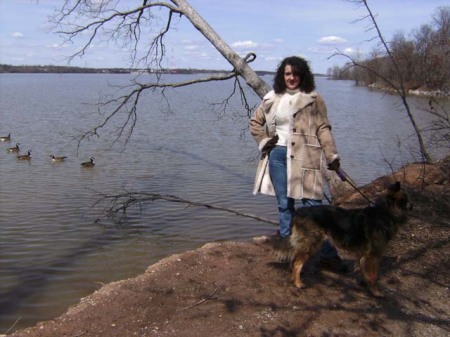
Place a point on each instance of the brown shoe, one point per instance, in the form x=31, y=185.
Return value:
x=267, y=239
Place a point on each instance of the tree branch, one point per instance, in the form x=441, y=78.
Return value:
x=129, y=103
x=399, y=88
x=124, y=23
x=118, y=205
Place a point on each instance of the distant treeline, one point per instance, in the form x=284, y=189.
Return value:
x=423, y=60
x=5, y=68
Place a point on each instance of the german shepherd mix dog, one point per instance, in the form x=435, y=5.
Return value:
x=365, y=232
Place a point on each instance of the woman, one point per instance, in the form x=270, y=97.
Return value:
x=293, y=133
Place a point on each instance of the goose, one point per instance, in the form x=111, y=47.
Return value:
x=14, y=149
x=6, y=138
x=88, y=163
x=25, y=156
x=58, y=158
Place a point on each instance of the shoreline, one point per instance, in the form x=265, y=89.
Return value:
x=235, y=289
x=412, y=92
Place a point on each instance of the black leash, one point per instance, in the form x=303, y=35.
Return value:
x=345, y=177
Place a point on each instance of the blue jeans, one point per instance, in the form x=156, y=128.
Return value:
x=278, y=174
x=286, y=205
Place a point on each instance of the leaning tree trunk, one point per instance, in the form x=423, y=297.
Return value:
x=240, y=65
x=336, y=186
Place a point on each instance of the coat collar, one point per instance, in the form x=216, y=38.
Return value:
x=302, y=101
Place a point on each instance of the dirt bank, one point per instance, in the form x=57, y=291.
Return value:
x=236, y=288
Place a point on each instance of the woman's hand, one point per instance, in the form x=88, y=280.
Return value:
x=270, y=144
x=334, y=165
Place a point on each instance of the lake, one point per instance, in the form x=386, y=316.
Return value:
x=52, y=249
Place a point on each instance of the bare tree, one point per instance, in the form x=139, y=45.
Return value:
x=109, y=20
x=403, y=53
x=439, y=129
x=440, y=53
x=433, y=53
x=423, y=52
x=423, y=61
x=399, y=85
x=113, y=21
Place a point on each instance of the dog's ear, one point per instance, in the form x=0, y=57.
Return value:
x=395, y=187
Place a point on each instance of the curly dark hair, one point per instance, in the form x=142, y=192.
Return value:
x=301, y=68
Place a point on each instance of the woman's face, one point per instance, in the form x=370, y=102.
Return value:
x=292, y=81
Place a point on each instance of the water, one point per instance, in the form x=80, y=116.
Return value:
x=52, y=252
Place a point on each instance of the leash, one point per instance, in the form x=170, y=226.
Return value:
x=345, y=177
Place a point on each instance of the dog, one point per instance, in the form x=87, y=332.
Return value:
x=364, y=232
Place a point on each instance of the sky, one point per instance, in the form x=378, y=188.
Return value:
x=273, y=29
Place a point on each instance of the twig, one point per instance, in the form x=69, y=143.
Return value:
x=120, y=203
x=12, y=326
x=80, y=334
x=200, y=302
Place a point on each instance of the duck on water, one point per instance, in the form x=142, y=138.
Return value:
x=90, y=163
x=25, y=156
x=14, y=149
x=5, y=138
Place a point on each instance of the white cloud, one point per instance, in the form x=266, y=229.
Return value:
x=191, y=47
x=278, y=41
x=350, y=51
x=244, y=44
x=321, y=50
x=17, y=35
x=332, y=40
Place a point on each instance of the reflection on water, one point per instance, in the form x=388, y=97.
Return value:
x=51, y=250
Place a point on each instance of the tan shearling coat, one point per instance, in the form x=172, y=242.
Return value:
x=310, y=139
